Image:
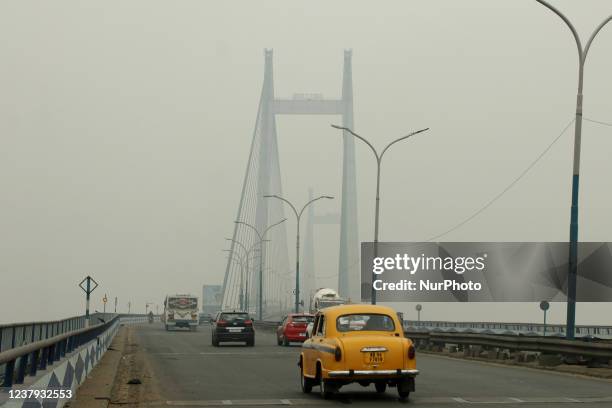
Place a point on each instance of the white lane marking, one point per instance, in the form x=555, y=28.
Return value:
x=246, y=402
x=227, y=353
x=460, y=400
x=416, y=400
x=249, y=353
x=572, y=399
x=516, y=399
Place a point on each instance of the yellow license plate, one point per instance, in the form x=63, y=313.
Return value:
x=374, y=357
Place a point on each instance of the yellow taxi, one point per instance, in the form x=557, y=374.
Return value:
x=357, y=343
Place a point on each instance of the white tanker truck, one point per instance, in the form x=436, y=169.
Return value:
x=322, y=298
x=325, y=297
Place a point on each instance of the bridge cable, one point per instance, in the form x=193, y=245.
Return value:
x=506, y=189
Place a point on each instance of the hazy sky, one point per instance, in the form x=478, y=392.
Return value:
x=125, y=128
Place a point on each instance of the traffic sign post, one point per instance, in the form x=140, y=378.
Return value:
x=88, y=285
x=104, y=300
x=544, y=306
x=418, y=309
x=115, y=304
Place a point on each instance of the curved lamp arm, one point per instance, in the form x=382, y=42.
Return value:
x=285, y=200
x=239, y=243
x=312, y=201
x=597, y=30
x=271, y=226
x=399, y=140
x=363, y=139
x=378, y=156
x=566, y=21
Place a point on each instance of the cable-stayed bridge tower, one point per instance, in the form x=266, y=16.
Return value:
x=262, y=177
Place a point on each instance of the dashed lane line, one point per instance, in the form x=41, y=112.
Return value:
x=416, y=400
x=228, y=353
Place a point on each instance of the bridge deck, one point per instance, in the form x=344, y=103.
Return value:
x=191, y=372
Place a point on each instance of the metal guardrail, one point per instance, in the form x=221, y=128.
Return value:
x=546, y=345
x=19, y=334
x=28, y=358
x=267, y=324
x=26, y=348
x=507, y=328
x=514, y=342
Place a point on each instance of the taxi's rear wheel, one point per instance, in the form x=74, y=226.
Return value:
x=326, y=388
x=380, y=387
x=403, y=394
x=305, y=382
x=404, y=388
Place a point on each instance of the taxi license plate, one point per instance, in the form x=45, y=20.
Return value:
x=374, y=357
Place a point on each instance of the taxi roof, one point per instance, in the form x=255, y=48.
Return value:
x=358, y=308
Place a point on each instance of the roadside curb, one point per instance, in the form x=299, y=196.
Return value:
x=96, y=391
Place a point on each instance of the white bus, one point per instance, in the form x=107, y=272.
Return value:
x=181, y=311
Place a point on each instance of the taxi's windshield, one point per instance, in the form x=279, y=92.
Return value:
x=364, y=322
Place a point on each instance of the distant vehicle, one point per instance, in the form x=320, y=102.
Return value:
x=293, y=328
x=358, y=343
x=322, y=298
x=206, y=318
x=325, y=297
x=181, y=311
x=233, y=326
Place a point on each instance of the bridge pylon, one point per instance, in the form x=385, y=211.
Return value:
x=263, y=177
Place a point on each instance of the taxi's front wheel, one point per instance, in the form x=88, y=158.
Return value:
x=305, y=382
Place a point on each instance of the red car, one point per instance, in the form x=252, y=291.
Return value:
x=293, y=328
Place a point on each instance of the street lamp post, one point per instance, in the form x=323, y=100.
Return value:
x=298, y=215
x=261, y=241
x=247, y=252
x=238, y=258
x=379, y=158
x=573, y=249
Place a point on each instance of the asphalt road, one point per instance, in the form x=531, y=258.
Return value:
x=191, y=372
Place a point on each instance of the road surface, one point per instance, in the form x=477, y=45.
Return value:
x=191, y=372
